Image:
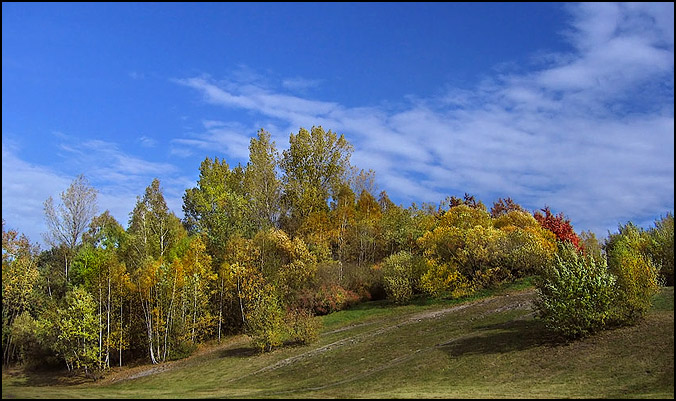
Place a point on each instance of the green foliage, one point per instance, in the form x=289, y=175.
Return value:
x=401, y=275
x=635, y=272
x=591, y=245
x=314, y=167
x=76, y=331
x=265, y=253
x=575, y=294
x=265, y=319
x=25, y=336
x=218, y=207
x=526, y=247
x=661, y=247
x=20, y=276
x=262, y=187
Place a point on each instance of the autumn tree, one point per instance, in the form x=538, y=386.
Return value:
x=217, y=207
x=313, y=168
x=367, y=226
x=99, y=269
x=504, y=206
x=69, y=220
x=261, y=184
x=591, y=245
x=19, y=278
x=661, y=248
x=559, y=225
x=153, y=231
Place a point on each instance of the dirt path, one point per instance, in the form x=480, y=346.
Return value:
x=129, y=373
x=520, y=300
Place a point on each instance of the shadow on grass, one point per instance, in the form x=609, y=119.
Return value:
x=53, y=378
x=516, y=335
x=241, y=352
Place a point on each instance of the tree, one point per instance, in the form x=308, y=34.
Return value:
x=68, y=221
x=559, y=225
x=402, y=272
x=153, y=232
x=76, y=328
x=503, y=206
x=661, y=248
x=591, y=245
x=218, y=207
x=526, y=247
x=367, y=226
x=99, y=269
x=636, y=274
x=19, y=277
x=314, y=166
x=261, y=184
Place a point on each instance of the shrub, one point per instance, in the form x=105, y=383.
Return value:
x=401, y=275
x=327, y=299
x=264, y=320
x=575, y=294
x=445, y=279
x=636, y=274
x=302, y=326
x=661, y=248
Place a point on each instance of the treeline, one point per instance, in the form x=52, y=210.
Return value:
x=263, y=248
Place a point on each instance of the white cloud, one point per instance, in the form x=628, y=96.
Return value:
x=117, y=176
x=25, y=187
x=569, y=134
x=300, y=84
x=147, y=142
x=230, y=139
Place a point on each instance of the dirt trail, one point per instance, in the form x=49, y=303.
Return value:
x=519, y=300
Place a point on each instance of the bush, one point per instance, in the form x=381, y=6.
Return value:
x=264, y=320
x=445, y=280
x=302, y=326
x=401, y=275
x=661, y=248
x=575, y=294
x=636, y=274
x=327, y=299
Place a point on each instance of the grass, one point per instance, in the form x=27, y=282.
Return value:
x=486, y=346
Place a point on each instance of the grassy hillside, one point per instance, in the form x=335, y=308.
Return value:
x=486, y=347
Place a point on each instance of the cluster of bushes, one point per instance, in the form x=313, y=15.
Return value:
x=580, y=293
x=469, y=249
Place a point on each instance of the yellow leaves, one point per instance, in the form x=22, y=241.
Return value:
x=515, y=218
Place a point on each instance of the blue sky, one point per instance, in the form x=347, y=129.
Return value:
x=566, y=105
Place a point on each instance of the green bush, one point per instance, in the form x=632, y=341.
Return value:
x=401, y=275
x=636, y=275
x=661, y=248
x=575, y=294
x=264, y=320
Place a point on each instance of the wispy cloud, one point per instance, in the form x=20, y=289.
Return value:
x=25, y=187
x=119, y=178
x=219, y=137
x=300, y=84
x=589, y=132
x=147, y=142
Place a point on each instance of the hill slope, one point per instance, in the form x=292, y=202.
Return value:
x=486, y=348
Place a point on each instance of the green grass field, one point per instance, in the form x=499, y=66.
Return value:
x=490, y=346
